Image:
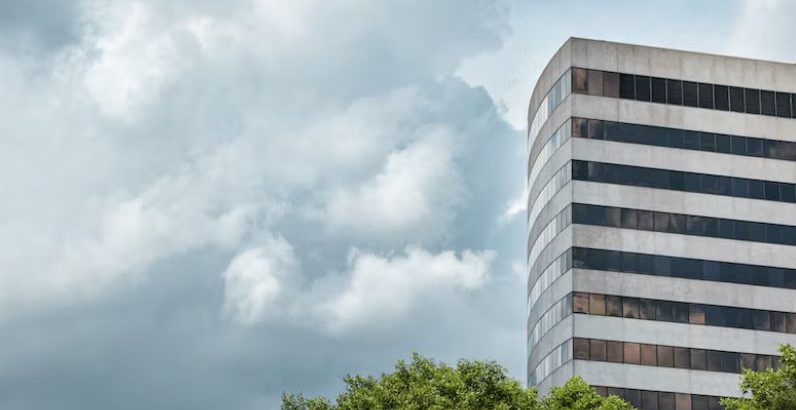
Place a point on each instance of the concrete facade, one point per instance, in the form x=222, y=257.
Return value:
x=552, y=359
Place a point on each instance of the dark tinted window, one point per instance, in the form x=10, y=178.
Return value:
x=630, y=308
x=632, y=353
x=722, y=94
x=752, y=101
x=658, y=90
x=642, y=88
x=699, y=359
x=580, y=348
x=579, y=80
x=706, y=95
x=595, y=82
x=666, y=401
x=614, y=351
x=597, y=350
x=649, y=400
x=613, y=305
x=627, y=86
x=649, y=355
x=690, y=94
x=767, y=103
x=736, y=99
x=674, y=92
x=682, y=357
x=665, y=356
x=611, y=84
x=783, y=105
x=596, y=304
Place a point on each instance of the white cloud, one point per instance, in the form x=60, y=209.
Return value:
x=416, y=193
x=256, y=279
x=381, y=289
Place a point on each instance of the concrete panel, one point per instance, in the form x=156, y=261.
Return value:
x=725, y=250
x=685, y=290
x=679, y=334
x=717, y=206
x=634, y=376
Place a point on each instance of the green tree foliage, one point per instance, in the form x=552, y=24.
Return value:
x=769, y=389
x=426, y=384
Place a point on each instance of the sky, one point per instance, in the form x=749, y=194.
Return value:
x=205, y=204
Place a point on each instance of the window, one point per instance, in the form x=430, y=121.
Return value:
x=630, y=308
x=783, y=105
x=722, y=93
x=674, y=92
x=614, y=351
x=736, y=99
x=706, y=96
x=597, y=350
x=763, y=362
x=682, y=401
x=699, y=402
x=649, y=400
x=642, y=88
x=682, y=357
x=665, y=401
x=632, y=353
x=690, y=94
x=752, y=101
x=767, y=103
x=699, y=359
x=594, y=84
x=658, y=90
x=714, y=361
x=633, y=397
x=665, y=356
x=596, y=304
x=580, y=302
x=645, y=220
x=778, y=322
x=579, y=80
x=627, y=86
x=611, y=84
x=748, y=361
x=613, y=306
x=696, y=314
x=649, y=355
x=646, y=309
x=580, y=348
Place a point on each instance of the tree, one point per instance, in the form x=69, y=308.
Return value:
x=769, y=389
x=426, y=384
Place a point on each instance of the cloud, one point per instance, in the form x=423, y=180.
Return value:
x=414, y=196
x=381, y=290
x=256, y=279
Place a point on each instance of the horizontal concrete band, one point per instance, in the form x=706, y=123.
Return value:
x=685, y=290
x=701, y=162
x=679, y=334
x=691, y=118
x=633, y=376
x=698, y=247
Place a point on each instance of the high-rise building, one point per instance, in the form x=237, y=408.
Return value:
x=662, y=221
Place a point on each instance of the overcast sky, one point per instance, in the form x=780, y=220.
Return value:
x=206, y=203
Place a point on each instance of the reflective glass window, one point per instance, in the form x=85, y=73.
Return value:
x=665, y=356
x=580, y=348
x=594, y=83
x=613, y=351
x=722, y=95
x=649, y=355
x=752, y=101
x=642, y=88
x=737, y=99
x=674, y=92
x=714, y=360
x=580, y=302
x=632, y=353
x=596, y=304
x=690, y=94
x=613, y=306
x=597, y=350
x=699, y=402
x=783, y=105
x=579, y=80
x=666, y=401
x=682, y=401
x=649, y=400
x=611, y=84
x=627, y=86
x=699, y=359
x=705, y=95
x=630, y=308
x=658, y=90
x=767, y=105
x=682, y=357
